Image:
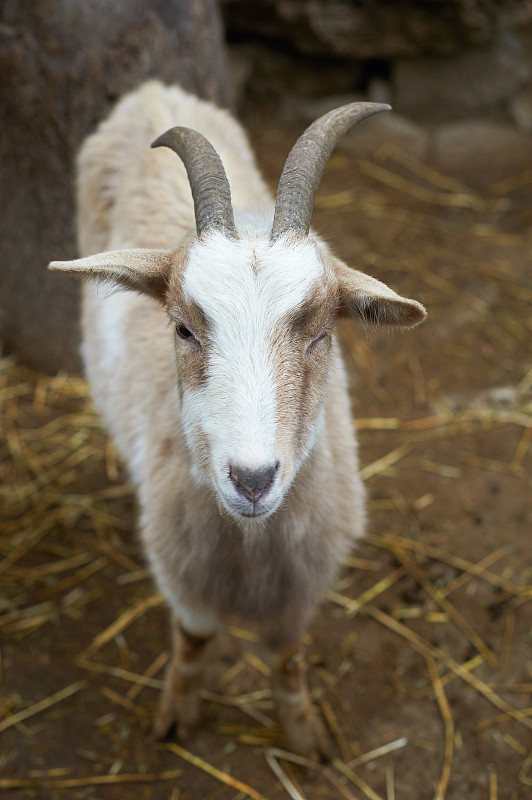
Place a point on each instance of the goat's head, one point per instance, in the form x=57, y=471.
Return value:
x=253, y=306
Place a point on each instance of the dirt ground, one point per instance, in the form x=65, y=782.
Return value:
x=424, y=648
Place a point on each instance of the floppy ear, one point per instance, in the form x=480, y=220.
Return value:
x=372, y=302
x=146, y=271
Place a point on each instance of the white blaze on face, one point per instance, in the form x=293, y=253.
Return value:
x=244, y=288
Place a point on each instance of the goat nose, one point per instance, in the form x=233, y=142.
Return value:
x=253, y=483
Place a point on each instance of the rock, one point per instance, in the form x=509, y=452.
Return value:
x=373, y=29
x=240, y=67
x=481, y=151
x=278, y=76
x=366, y=138
x=380, y=91
x=312, y=109
x=476, y=80
x=520, y=108
x=386, y=128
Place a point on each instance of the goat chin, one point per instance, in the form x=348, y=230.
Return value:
x=242, y=510
x=247, y=522
x=248, y=319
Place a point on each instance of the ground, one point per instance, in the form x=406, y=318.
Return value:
x=424, y=648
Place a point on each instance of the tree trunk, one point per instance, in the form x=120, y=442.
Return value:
x=63, y=64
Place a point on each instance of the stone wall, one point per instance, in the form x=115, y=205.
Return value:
x=457, y=74
x=374, y=29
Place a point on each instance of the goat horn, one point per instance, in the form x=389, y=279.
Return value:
x=208, y=181
x=305, y=163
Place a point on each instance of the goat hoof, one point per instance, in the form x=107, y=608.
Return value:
x=306, y=733
x=184, y=713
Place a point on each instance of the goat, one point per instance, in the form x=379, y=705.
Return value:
x=221, y=380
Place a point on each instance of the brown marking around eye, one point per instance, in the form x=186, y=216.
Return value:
x=316, y=313
x=192, y=360
x=177, y=307
x=189, y=314
x=301, y=375
x=192, y=356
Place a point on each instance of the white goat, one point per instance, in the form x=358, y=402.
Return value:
x=220, y=377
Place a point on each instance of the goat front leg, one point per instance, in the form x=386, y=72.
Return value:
x=179, y=701
x=302, y=726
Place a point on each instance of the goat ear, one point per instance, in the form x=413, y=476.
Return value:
x=372, y=302
x=146, y=271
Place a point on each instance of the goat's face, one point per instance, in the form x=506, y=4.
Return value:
x=253, y=316
x=253, y=337
x=253, y=326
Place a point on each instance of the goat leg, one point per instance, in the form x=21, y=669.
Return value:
x=179, y=701
x=302, y=726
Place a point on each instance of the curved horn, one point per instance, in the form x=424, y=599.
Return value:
x=208, y=181
x=305, y=163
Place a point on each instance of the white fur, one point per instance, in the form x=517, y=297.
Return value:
x=203, y=621
x=247, y=290
x=114, y=311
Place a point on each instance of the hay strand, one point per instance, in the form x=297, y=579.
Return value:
x=283, y=778
x=448, y=724
x=356, y=780
x=90, y=780
x=439, y=597
x=121, y=624
x=214, y=772
x=327, y=773
x=391, y=747
x=43, y=705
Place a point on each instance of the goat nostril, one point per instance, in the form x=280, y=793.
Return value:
x=253, y=483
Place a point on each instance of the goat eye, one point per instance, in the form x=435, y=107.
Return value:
x=183, y=332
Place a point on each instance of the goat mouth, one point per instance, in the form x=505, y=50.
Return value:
x=237, y=511
x=255, y=513
x=240, y=509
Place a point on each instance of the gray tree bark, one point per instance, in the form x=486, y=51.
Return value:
x=63, y=64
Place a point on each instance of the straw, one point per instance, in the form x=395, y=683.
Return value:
x=89, y=780
x=279, y=773
x=214, y=772
x=356, y=780
x=120, y=624
x=447, y=718
x=42, y=705
x=449, y=609
x=391, y=747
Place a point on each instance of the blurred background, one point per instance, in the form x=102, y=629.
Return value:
x=421, y=658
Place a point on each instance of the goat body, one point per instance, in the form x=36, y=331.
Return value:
x=234, y=419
